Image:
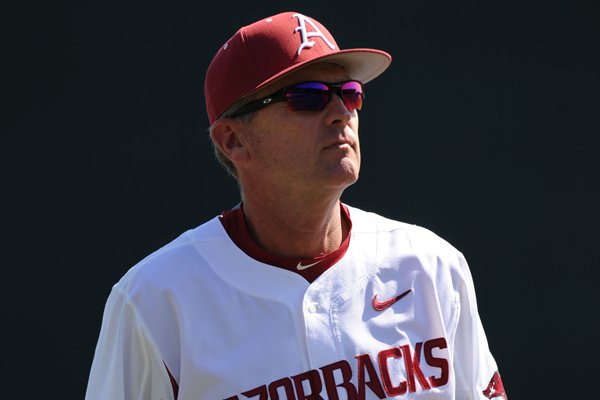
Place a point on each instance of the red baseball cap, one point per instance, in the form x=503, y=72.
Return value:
x=260, y=53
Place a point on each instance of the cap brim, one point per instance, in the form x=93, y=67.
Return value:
x=361, y=64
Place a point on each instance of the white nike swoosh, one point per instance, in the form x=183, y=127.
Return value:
x=301, y=267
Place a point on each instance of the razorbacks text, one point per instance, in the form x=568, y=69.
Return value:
x=312, y=384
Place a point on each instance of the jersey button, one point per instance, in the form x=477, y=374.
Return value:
x=313, y=307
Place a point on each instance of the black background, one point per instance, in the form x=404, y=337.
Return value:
x=483, y=130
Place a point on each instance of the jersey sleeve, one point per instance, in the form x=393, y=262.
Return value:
x=127, y=364
x=477, y=376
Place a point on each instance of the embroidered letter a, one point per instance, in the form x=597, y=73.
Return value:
x=304, y=35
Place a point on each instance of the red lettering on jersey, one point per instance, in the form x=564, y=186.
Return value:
x=330, y=384
x=286, y=384
x=413, y=367
x=383, y=357
x=338, y=375
x=440, y=363
x=261, y=392
x=314, y=382
x=364, y=361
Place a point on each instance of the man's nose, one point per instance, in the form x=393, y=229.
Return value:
x=337, y=112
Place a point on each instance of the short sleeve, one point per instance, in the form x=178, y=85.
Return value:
x=477, y=376
x=127, y=364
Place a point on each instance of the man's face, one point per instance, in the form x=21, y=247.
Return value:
x=302, y=150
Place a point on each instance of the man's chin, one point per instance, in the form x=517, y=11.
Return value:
x=346, y=174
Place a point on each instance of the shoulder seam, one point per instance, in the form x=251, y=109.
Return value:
x=129, y=303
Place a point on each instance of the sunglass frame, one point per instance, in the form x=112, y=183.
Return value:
x=281, y=95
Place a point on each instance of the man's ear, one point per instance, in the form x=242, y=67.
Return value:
x=226, y=135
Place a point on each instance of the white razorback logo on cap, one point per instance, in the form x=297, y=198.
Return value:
x=304, y=35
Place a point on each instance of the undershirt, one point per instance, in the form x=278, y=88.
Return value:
x=310, y=269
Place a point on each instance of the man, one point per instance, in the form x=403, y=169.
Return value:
x=293, y=294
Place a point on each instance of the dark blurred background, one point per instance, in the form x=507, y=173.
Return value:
x=484, y=130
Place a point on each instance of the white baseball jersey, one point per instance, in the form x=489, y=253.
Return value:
x=396, y=317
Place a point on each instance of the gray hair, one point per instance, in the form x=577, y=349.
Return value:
x=245, y=118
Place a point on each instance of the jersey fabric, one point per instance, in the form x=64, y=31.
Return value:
x=396, y=317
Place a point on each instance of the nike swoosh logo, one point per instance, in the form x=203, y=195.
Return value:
x=382, y=305
x=301, y=267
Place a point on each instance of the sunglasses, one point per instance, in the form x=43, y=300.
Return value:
x=309, y=96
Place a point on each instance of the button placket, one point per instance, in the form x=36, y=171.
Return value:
x=313, y=307
x=319, y=335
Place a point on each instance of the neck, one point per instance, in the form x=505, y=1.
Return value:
x=300, y=229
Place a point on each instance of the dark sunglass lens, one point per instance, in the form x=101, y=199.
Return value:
x=314, y=96
x=308, y=96
x=307, y=101
x=316, y=86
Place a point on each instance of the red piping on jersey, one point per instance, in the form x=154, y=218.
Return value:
x=234, y=223
x=174, y=384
